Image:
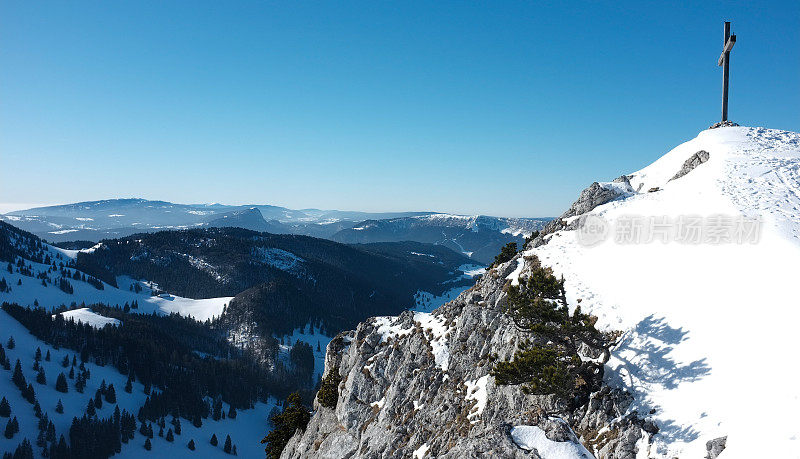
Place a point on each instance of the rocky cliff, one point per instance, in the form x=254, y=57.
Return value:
x=418, y=385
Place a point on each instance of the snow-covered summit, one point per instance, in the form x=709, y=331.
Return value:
x=700, y=272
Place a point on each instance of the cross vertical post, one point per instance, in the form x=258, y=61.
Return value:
x=724, y=61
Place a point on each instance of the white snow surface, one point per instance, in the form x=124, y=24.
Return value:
x=532, y=437
x=50, y=297
x=245, y=431
x=476, y=390
x=420, y=452
x=438, y=337
x=710, y=329
x=87, y=316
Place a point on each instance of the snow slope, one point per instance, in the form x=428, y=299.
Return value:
x=32, y=291
x=710, y=328
x=245, y=431
x=87, y=316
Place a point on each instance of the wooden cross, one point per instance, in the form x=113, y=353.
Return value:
x=724, y=62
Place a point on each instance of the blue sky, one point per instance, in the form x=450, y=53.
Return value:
x=500, y=108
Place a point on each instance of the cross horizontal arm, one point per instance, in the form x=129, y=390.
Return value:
x=726, y=49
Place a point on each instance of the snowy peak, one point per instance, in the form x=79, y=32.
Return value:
x=688, y=313
x=677, y=264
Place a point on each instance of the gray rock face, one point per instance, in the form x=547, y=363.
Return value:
x=727, y=123
x=594, y=195
x=695, y=160
x=420, y=383
x=715, y=447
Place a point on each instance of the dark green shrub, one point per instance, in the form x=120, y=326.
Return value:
x=294, y=416
x=506, y=253
x=328, y=393
x=549, y=363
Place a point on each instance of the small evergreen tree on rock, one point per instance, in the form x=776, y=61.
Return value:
x=549, y=362
x=294, y=416
x=506, y=253
x=328, y=394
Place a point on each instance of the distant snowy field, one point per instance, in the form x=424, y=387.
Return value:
x=246, y=430
x=51, y=297
x=87, y=316
x=710, y=338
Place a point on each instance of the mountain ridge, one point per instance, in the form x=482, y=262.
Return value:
x=421, y=385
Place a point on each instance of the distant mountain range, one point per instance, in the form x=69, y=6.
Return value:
x=478, y=237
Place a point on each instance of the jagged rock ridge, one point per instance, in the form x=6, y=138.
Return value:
x=419, y=384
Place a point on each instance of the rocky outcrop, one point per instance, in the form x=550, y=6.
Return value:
x=419, y=385
x=594, y=195
x=715, y=447
x=695, y=160
x=726, y=123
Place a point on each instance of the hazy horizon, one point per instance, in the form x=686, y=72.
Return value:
x=452, y=107
x=14, y=207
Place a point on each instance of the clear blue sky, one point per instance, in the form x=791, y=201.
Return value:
x=500, y=108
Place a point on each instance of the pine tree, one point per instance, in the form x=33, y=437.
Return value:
x=228, y=447
x=65, y=362
x=12, y=427
x=18, y=378
x=40, y=376
x=47, y=356
x=98, y=399
x=51, y=432
x=170, y=436
x=29, y=394
x=60, y=407
x=24, y=450
x=61, y=383
x=90, y=410
x=176, y=423
x=235, y=453
x=111, y=394
x=232, y=413
x=38, y=355
x=160, y=431
x=217, y=413
x=11, y=343
x=147, y=445
x=294, y=416
x=72, y=373
x=191, y=445
x=128, y=386
x=506, y=253
x=5, y=408
x=214, y=440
